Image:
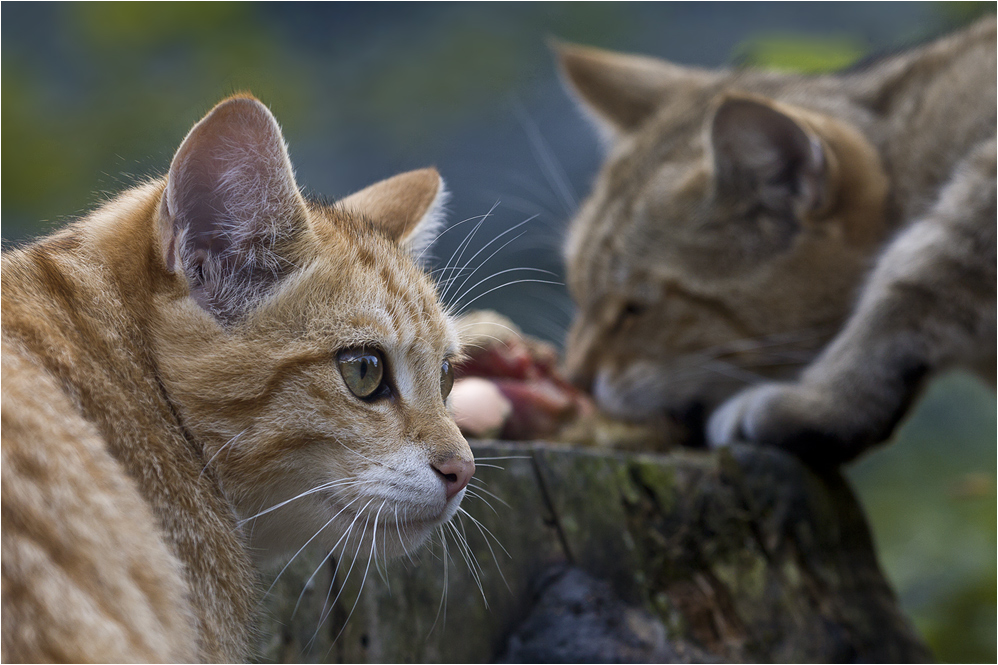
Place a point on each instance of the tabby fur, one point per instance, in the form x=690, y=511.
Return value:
x=747, y=223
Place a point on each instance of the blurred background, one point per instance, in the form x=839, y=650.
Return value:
x=97, y=96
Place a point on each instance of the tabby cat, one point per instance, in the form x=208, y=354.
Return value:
x=747, y=223
x=205, y=373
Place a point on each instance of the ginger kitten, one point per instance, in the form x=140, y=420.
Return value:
x=207, y=372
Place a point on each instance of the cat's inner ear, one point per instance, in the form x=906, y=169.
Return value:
x=620, y=91
x=762, y=152
x=408, y=208
x=231, y=202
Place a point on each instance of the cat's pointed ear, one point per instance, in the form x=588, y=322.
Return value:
x=759, y=150
x=231, y=201
x=620, y=91
x=408, y=208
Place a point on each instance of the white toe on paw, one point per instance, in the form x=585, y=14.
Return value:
x=736, y=419
x=724, y=423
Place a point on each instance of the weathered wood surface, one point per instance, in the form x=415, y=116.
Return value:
x=737, y=555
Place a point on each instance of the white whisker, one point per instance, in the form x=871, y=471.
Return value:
x=333, y=483
x=462, y=548
x=497, y=498
x=445, y=231
x=486, y=246
x=486, y=531
x=502, y=286
x=504, y=457
x=464, y=246
x=549, y=165
x=344, y=539
x=224, y=446
x=475, y=495
x=443, y=592
x=320, y=530
x=482, y=530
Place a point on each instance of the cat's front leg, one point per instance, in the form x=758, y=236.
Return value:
x=819, y=424
x=929, y=304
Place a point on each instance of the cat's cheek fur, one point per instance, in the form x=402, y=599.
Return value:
x=391, y=502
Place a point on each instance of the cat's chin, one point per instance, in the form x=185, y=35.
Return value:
x=645, y=392
x=395, y=538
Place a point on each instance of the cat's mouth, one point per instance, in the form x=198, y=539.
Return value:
x=404, y=519
x=645, y=395
x=426, y=522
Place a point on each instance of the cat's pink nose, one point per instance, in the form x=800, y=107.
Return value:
x=456, y=474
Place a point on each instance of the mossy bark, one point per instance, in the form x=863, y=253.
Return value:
x=737, y=555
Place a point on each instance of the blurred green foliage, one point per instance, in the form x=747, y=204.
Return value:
x=124, y=79
x=106, y=80
x=812, y=55
x=961, y=12
x=931, y=499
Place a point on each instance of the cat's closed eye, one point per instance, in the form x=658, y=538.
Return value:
x=634, y=309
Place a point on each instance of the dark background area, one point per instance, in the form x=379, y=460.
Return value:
x=97, y=96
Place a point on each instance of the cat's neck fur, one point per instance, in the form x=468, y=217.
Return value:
x=101, y=275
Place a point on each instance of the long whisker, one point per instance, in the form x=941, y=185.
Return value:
x=463, y=549
x=497, y=498
x=486, y=529
x=504, y=457
x=482, y=530
x=464, y=246
x=398, y=528
x=342, y=482
x=344, y=539
x=500, y=248
x=444, y=232
x=475, y=495
x=443, y=592
x=502, y=286
x=503, y=272
x=549, y=165
x=372, y=461
x=370, y=557
x=353, y=561
x=302, y=548
x=224, y=446
x=384, y=553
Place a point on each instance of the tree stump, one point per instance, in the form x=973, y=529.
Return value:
x=741, y=554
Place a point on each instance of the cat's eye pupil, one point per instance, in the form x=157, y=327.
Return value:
x=363, y=371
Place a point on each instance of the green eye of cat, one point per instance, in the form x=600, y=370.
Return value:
x=446, y=378
x=363, y=371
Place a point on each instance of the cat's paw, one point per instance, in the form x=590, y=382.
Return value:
x=815, y=425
